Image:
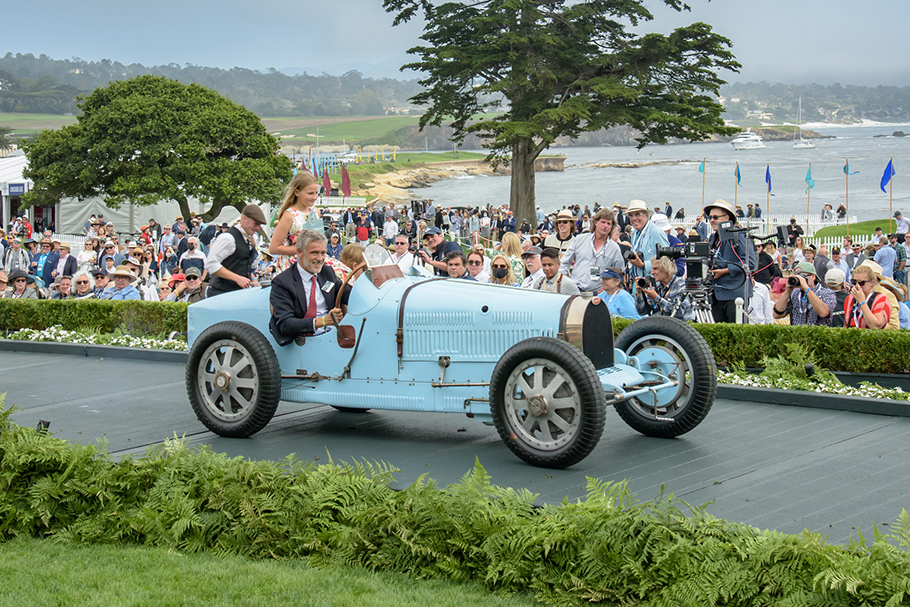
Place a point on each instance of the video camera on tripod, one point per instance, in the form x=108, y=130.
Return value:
x=698, y=261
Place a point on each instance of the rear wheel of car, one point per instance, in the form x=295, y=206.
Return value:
x=675, y=350
x=547, y=402
x=233, y=379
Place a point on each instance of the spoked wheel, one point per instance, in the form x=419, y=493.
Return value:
x=233, y=379
x=547, y=402
x=675, y=350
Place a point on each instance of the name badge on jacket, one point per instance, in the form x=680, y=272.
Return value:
x=328, y=286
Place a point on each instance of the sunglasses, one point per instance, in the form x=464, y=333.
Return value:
x=498, y=267
x=81, y=282
x=192, y=278
x=475, y=263
x=21, y=280
x=716, y=217
x=861, y=283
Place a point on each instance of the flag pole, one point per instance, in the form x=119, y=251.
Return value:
x=809, y=194
x=703, y=175
x=734, y=185
x=768, y=202
x=847, y=191
x=891, y=195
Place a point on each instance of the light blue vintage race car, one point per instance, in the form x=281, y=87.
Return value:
x=541, y=367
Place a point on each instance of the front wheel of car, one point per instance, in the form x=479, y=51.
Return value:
x=233, y=379
x=547, y=402
x=677, y=351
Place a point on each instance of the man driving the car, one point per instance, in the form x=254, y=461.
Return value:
x=303, y=296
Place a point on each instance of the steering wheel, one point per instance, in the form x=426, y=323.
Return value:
x=347, y=279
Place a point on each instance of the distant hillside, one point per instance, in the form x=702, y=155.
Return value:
x=48, y=86
x=834, y=103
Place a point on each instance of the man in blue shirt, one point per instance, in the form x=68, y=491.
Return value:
x=122, y=290
x=885, y=256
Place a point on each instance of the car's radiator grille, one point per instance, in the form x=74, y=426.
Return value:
x=465, y=343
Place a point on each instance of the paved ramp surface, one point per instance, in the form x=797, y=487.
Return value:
x=783, y=468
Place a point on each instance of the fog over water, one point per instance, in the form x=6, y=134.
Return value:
x=681, y=182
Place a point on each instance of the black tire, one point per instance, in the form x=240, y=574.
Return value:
x=662, y=337
x=349, y=409
x=555, y=429
x=239, y=357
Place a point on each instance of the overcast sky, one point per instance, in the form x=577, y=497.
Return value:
x=790, y=41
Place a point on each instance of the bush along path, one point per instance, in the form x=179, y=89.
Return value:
x=608, y=548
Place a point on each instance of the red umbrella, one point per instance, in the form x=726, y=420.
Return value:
x=345, y=181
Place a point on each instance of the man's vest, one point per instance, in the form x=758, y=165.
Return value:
x=240, y=262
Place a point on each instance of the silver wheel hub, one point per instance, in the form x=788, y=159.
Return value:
x=543, y=407
x=228, y=381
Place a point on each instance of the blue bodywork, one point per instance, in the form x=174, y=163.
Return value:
x=436, y=352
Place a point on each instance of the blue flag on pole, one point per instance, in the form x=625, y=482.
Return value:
x=889, y=171
x=768, y=178
x=739, y=177
x=809, y=181
x=701, y=167
x=847, y=169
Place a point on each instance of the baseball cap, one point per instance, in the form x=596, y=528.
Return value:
x=193, y=271
x=611, y=273
x=835, y=250
x=804, y=267
x=834, y=276
x=431, y=231
x=531, y=251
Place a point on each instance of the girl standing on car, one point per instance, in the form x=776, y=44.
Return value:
x=298, y=212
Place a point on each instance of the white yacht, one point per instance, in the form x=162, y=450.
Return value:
x=747, y=141
x=798, y=142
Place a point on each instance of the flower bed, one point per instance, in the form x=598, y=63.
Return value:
x=60, y=335
x=825, y=385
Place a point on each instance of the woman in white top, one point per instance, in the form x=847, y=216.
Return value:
x=87, y=256
x=798, y=248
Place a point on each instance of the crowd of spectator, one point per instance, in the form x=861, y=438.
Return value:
x=612, y=253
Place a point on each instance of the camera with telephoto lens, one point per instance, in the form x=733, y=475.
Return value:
x=698, y=261
x=646, y=282
x=793, y=281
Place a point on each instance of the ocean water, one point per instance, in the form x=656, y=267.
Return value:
x=680, y=183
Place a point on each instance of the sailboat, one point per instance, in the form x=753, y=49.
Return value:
x=798, y=142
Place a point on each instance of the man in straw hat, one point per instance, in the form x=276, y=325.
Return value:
x=646, y=237
x=233, y=254
x=122, y=289
x=565, y=233
x=734, y=260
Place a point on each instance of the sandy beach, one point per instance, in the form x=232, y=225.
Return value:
x=396, y=187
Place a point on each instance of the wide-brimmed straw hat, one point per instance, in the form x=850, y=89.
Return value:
x=123, y=271
x=565, y=215
x=720, y=203
x=638, y=205
x=892, y=286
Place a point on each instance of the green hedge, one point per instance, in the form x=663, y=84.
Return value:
x=851, y=350
x=138, y=318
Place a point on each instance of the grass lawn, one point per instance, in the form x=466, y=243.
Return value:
x=25, y=124
x=42, y=572
x=862, y=227
x=349, y=131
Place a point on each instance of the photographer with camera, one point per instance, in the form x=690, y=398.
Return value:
x=733, y=259
x=646, y=237
x=805, y=299
x=664, y=293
